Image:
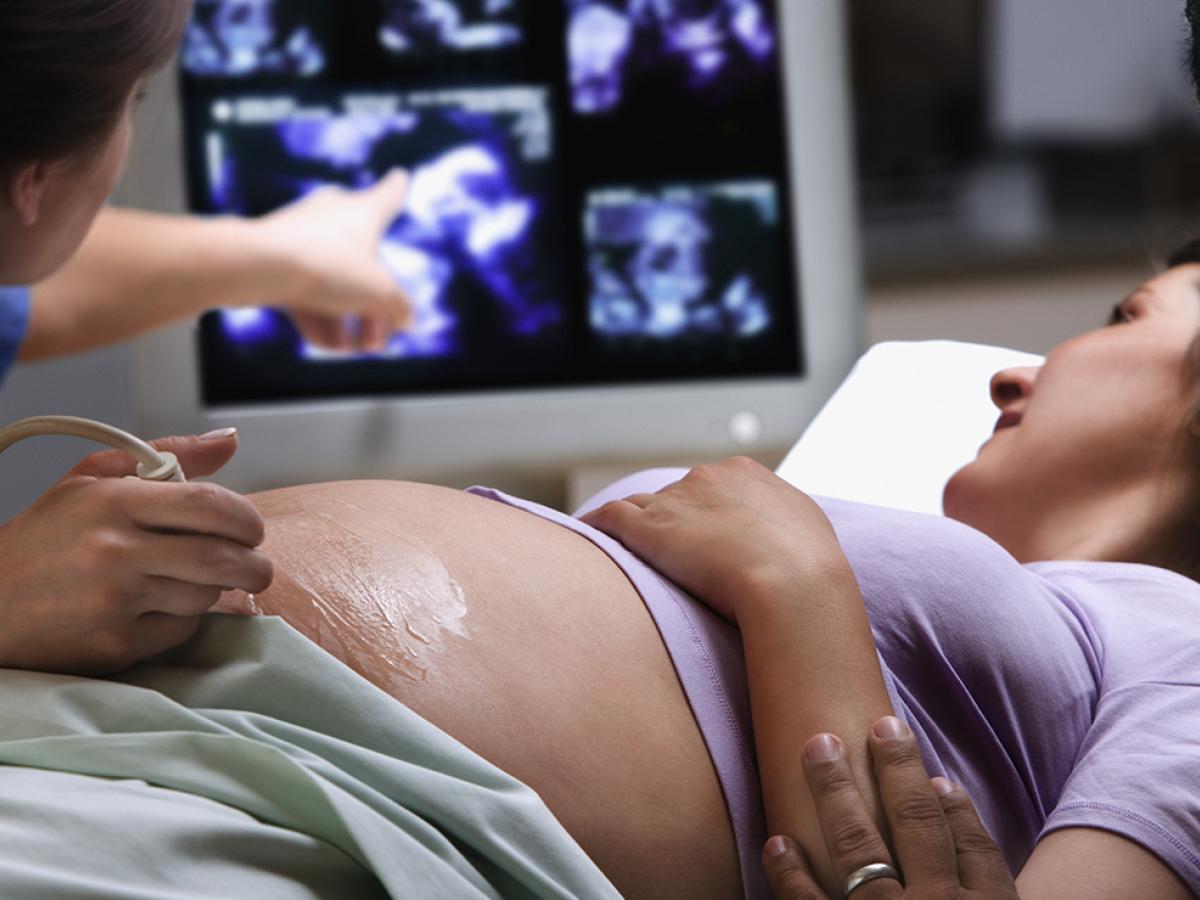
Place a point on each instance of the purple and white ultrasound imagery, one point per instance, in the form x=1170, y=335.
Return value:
x=412, y=27
x=242, y=38
x=469, y=248
x=714, y=50
x=684, y=261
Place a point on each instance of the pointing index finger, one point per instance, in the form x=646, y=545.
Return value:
x=392, y=193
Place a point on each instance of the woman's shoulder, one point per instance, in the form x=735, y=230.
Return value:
x=1146, y=619
x=1135, y=772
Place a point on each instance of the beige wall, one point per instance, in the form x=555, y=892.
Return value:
x=1031, y=312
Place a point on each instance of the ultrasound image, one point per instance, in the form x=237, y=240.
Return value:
x=424, y=26
x=240, y=38
x=466, y=250
x=685, y=261
x=710, y=49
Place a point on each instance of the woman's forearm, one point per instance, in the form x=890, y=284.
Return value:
x=812, y=667
x=138, y=271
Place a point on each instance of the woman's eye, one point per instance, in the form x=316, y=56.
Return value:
x=1120, y=315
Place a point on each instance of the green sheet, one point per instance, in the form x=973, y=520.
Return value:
x=252, y=764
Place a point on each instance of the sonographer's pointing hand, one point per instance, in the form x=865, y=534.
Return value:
x=347, y=299
x=104, y=571
x=941, y=846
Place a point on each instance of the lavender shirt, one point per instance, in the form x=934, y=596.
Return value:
x=1060, y=694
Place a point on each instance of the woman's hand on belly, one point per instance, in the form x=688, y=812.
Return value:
x=763, y=554
x=731, y=534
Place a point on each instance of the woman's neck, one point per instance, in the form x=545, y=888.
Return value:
x=1130, y=523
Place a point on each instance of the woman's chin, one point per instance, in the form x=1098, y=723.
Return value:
x=956, y=492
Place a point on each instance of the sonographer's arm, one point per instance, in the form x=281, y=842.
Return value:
x=138, y=271
x=104, y=571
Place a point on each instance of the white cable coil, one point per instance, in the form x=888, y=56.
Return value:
x=153, y=465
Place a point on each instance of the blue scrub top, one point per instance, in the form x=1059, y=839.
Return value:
x=14, y=322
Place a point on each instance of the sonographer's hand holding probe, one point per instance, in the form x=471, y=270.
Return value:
x=104, y=571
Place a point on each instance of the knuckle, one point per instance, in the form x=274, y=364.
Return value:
x=918, y=810
x=852, y=840
x=977, y=844
x=109, y=495
x=217, y=556
x=613, y=510
x=900, y=754
x=108, y=549
x=205, y=500
x=829, y=779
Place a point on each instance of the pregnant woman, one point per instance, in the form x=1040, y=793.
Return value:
x=1044, y=647
x=1044, y=650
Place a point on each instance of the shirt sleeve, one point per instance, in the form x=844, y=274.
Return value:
x=1136, y=771
x=14, y=323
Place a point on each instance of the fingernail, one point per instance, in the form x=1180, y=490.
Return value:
x=219, y=435
x=890, y=729
x=823, y=748
x=942, y=785
x=776, y=847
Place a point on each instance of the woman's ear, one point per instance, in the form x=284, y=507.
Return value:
x=26, y=190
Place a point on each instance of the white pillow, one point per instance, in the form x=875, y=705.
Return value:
x=907, y=418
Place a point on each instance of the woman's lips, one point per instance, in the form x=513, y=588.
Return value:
x=1008, y=420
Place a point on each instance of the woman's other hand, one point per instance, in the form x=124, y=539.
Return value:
x=103, y=571
x=727, y=532
x=941, y=846
x=346, y=298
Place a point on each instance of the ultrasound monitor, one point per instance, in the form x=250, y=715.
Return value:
x=423, y=26
x=247, y=38
x=640, y=53
x=474, y=250
x=630, y=222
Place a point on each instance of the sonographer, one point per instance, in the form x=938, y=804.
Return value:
x=102, y=571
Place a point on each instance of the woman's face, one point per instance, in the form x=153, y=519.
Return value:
x=70, y=195
x=1099, y=426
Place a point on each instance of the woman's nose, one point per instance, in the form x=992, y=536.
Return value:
x=1011, y=385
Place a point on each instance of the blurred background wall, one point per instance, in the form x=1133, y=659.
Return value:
x=1022, y=162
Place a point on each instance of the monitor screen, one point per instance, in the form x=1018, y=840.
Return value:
x=599, y=193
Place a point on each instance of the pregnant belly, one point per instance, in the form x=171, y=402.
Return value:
x=526, y=643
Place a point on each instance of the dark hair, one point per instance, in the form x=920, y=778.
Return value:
x=1192, y=14
x=67, y=68
x=1188, y=254
x=1183, y=534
